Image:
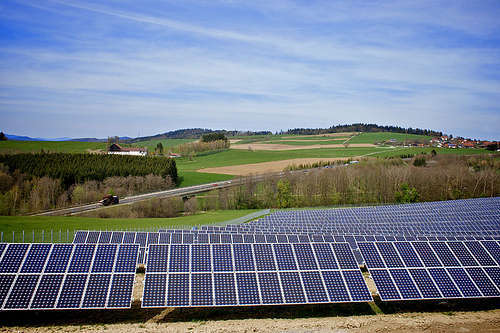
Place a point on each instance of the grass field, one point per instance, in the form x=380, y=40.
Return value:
x=385, y=136
x=167, y=143
x=10, y=147
x=36, y=224
x=190, y=178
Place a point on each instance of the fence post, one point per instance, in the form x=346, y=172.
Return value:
x=43, y=236
x=2, y=237
x=23, y=236
x=67, y=235
x=33, y=235
x=51, y=236
x=59, y=235
x=13, y=241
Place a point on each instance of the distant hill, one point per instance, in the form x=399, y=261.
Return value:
x=194, y=133
x=122, y=138
x=27, y=138
x=359, y=127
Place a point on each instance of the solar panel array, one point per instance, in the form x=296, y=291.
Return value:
x=66, y=276
x=427, y=270
x=182, y=275
x=458, y=218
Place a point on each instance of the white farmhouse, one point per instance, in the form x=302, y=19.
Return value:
x=119, y=150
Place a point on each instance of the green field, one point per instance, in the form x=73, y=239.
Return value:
x=190, y=178
x=11, y=147
x=167, y=143
x=68, y=225
x=237, y=156
x=385, y=136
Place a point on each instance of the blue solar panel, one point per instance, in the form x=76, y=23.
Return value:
x=385, y=286
x=482, y=281
x=357, y=286
x=125, y=262
x=156, y=259
x=178, y=290
x=405, y=284
x=72, y=291
x=201, y=289
x=22, y=291
x=444, y=283
x=117, y=237
x=200, y=258
x=424, y=282
x=270, y=288
x=179, y=258
x=104, y=258
x=344, y=256
x=389, y=254
x=464, y=283
x=155, y=290
x=59, y=258
x=222, y=258
x=444, y=254
x=96, y=291
x=36, y=258
x=463, y=255
x=335, y=286
x=82, y=258
x=105, y=237
x=285, y=258
x=408, y=254
x=426, y=254
x=292, y=287
x=47, y=291
x=264, y=258
x=224, y=289
x=305, y=256
x=248, y=290
x=13, y=257
x=5, y=284
x=325, y=256
x=371, y=255
x=481, y=255
x=314, y=288
x=493, y=248
x=243, y=257
x=120, y=293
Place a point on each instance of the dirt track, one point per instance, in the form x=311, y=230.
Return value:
x=277, y=146
x=265, y=167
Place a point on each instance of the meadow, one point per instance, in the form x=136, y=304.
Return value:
x=14, y=147
x=69, y=224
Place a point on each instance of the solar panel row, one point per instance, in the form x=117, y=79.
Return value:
x=66, y=276
x=252, y=274
x=424, y=270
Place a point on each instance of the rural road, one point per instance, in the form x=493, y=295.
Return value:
x=183, y=191
x=135, y=198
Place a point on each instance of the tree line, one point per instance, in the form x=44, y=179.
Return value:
x=77, y=168
x=359, y=127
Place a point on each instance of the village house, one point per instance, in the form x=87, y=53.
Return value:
x=134, y=151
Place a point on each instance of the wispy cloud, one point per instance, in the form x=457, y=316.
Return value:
x=247, y=65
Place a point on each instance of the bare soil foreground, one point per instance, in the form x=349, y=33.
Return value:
x=264, y=167
x=439, y=317
x=273, y=146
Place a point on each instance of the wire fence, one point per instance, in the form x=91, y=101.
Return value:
x=67, y=236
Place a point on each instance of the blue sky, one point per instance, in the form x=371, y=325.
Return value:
x=99, y=68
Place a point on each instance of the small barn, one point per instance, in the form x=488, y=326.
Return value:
x=134, y=151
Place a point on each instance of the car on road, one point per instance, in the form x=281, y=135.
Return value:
x=109, y=200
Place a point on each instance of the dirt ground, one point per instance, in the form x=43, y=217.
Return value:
x=277, y=146
x=264, y=167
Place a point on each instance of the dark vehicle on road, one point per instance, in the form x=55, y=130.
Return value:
x=109, y=200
